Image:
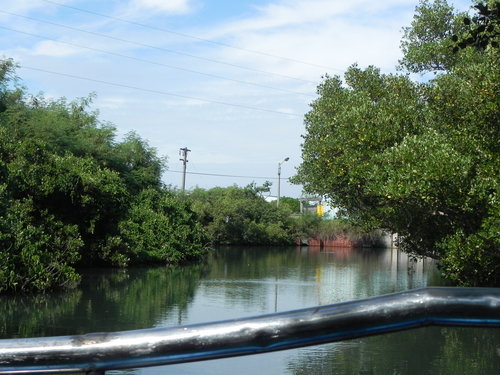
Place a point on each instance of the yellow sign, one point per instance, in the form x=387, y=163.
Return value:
x=319, y=210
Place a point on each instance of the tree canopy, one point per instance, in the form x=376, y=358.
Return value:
x=72, y=194
x=418, y=158
x=241, y=216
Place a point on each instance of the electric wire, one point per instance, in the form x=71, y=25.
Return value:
x=160, y=92
x=156, y=63
x=187, y=35
x=165, y=65
x=229, y=175
x=144, y=45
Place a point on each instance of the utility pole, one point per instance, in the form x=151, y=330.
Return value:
x=184, y=153
x=279, y=179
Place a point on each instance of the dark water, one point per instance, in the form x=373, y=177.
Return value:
x=241, y=282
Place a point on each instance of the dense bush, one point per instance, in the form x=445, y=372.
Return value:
x=38, y=251
x=71, y=194
x=241, y=216
x=419, y=158
x=160, y=228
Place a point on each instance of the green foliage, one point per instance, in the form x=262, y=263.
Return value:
x=292, y=204
x=348, y=128
x=427, y=44
x=241, y=216
x=138, y=163
x=70, y=194
x=332, y=229
x=482, y=30
x=310, y=225
x=159, y=228
x=474, y=258
x=38, y=250
x=418, y=159
x=265, y=188
x=306, y=225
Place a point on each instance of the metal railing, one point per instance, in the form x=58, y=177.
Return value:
x=95, y=353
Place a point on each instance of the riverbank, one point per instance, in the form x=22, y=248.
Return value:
x=384, y=240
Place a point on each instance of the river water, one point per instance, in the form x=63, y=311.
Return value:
x=242, y=282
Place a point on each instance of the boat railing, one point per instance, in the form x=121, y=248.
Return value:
x=96, y=353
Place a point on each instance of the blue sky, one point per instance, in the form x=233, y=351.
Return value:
x=231, y=80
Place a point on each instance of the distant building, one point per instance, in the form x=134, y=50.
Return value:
x=316, y=205
x=311, y=204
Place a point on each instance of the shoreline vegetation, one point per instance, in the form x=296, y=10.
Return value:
x=415, y=158
x=72, y=195
x=419, y=156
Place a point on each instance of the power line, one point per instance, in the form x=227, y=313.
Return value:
x=157, y=48
x=160, y=92
x=155, y=63
x=227, y=175
x=188, y=35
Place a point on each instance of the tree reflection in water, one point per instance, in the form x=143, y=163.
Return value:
x=246, y=281
x=107, y=300
x=423, y=351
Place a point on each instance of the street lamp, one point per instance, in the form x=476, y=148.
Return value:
x=279, y=179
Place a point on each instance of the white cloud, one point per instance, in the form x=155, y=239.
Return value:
x=113, y=102
x=191, y=103
x=25, y=6
x=288, y=13
x=167, y=6
x=291, y=111
x=330, y=34
x=54, y=49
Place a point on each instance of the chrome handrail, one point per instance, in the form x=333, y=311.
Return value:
x=95, y=353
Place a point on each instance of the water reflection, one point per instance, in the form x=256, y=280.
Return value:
x=425, y=351
x=239, y=282
x=307, y=277
x=107, y=300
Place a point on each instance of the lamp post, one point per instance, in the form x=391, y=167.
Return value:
x=279, y=179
